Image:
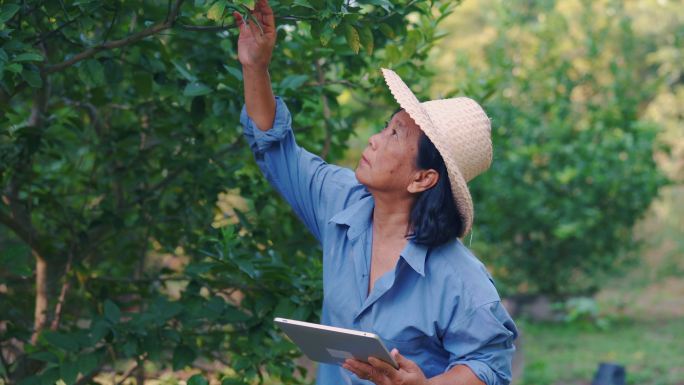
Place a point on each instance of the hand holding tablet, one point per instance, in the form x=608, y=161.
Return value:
x=334, y=345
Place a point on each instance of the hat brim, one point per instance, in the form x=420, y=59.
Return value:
x=459, y=187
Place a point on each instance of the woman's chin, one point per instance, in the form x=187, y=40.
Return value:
x=361, y=174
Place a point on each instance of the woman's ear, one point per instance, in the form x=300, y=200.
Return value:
x=423, y=180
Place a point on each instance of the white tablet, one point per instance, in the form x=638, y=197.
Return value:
x=333, y=345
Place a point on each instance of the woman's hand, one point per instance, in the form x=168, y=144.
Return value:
x=382, y=373
x=255, y=45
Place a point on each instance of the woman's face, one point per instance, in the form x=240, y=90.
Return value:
x=389, y=161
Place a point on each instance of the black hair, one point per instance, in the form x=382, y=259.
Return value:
x=434, y=218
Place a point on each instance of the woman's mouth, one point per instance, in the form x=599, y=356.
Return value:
x=365, y=160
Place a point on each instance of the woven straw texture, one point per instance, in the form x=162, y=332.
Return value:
x=461, y=132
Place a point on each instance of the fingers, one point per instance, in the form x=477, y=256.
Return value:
x=246, y=28
x=383, y=367
x=264, y=14
x=366, y=371
x=403, y=362
x=239, y=21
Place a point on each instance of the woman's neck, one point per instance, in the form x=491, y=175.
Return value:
x=391, y=215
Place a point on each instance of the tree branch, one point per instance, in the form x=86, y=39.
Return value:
x=168, y=23
x=218, y=28
x=17, y=228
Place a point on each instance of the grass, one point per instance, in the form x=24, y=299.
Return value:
x=651, y=351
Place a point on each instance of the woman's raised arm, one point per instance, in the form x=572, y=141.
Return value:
x=255, y=47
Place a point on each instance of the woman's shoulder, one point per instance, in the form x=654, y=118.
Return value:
x=462, y=273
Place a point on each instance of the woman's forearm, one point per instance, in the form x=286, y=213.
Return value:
x=458, y=375
x=259, y=98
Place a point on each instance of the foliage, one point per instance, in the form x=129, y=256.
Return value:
x=583, y=311
x=573, y=168
x=119, y=130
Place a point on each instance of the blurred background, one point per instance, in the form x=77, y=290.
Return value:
x=545, y=69
x=140, y=244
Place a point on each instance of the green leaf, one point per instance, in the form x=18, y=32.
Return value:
x=182, y=357
x=29, y=56
x=233, y=71
x=385, y=4
x=366, y=35
x=113, y=72
x=198, y=108
x=129, y=348
x=303, y=3
x=98, y=330
x=112, y=312
x=293, y=81
x=216, y=11
x=3, y=56
x=326, y=35
x=32, y=78
x=14, y=67
x=68, y=371
x=196, y=89
x=184, y=72
x=15, y=257
x=45, y=357
x=61, y=341
x=87, y=363
x=8, y=11
x=353, y=39
x=143, y=83
x=387, y=31
x=233, y=314
x=168, y=310
x=197, y=379
x=91, y=73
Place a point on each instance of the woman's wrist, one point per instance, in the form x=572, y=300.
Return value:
x=257, y=69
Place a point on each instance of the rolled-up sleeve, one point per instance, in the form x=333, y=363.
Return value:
x=483, y=341
x=314, y=188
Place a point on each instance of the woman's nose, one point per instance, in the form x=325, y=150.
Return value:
x=372, y=141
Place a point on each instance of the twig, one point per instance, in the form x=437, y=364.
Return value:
x=168, y=23
x=42, y=38
x=62, y=294
x=111, y=24
x=325, y=83
x=130, y=370
x=86, y=378
x=207, y=28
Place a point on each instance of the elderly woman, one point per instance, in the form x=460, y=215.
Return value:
x=393, y=263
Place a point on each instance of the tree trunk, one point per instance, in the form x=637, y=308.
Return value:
x=42, y=297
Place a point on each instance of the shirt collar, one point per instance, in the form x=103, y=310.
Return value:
x=415, y=255
x=357, y=217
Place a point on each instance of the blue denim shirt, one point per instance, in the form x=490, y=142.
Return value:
x=438, y=306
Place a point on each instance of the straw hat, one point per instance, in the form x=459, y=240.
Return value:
x=461, y=132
